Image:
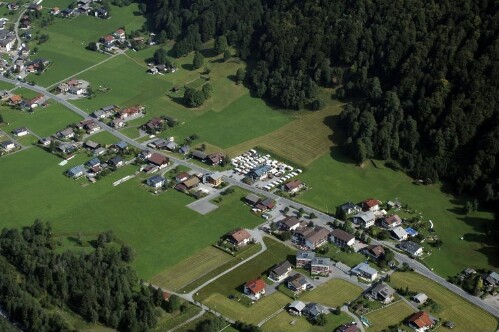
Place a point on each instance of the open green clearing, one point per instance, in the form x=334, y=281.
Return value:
x=350, y=259
x=390, y=315
x=168, y=321
x=44, y=121
x=69, y=37
x=282, y=322
x=333, y=181
x=104, y=138
x=190, y=269
x=160, y=228
x=333, y=293
x=463, y=314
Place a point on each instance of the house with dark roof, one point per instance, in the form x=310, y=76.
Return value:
x=158, y=160
x=349, y=327
x=255, y=288
x=492, y=278
x=364, y=219
x=266, y=204
x=320, y=266
x=214, y=158
x=91, y=145
x=280, y=271
x=313, y=310
x=391, y=221
x=7, y=145
x=349, y=208
x=184, y=149
x=199, y=155
x=304, y=258
x=156, y=181
x=412, y=248
x=420, y=321
x=181, y=177
x=191, y=182
x=252, y=199
x=342, y=238
x=66, y=133
x=239, y=237
x=376, y=251
x=22, y=131
x=116, y=162
x=93, y=162
x=382, y=293
x=297, y=283
x=76, y=171
x=317, y=238
x=259, y=173
x=289, y=223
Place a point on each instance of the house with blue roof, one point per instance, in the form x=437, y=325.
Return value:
x=116, y=162
x=76, y=171
x=156, y=181
x=93, y=162
x=184, y=149
x=259, y=173
x=364, y=271
x=121, y=145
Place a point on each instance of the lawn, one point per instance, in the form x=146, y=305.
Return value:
x=335, y=180
x=333, y=293
x=192, y=268
x=232, y=282
x=463, y=314
x=253, y=314
x=168, y=321
x=104, y=138
x=350, y=259
x=160, y=228
x=282, y=322
x=390, y=315
x=240, y=121
x=6, y=86
x=69, y=37
x=44, y=121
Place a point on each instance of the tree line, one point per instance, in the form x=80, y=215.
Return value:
x=422, y=75
x=100, y=286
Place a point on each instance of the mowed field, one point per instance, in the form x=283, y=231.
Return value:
x=463, y=314
x=160, y=228
x=69, y=37
x=192, y=268
x=390, y=315
x=286, y=322
x=302, y=140
x=333, y=293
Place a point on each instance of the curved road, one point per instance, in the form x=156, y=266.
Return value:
x=418, y=267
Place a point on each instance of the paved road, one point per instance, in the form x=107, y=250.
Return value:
x=418, y=267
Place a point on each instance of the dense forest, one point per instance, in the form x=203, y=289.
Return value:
x=36, y=280
x=422, y=77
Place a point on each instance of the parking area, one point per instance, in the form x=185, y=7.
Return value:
x=202, y=206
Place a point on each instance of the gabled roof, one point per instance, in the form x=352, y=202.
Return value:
x=293, y=185
x=155, y=179
x=239, y=235
x=410, y=246
x=290, y=221
x=297, y=281
x=297, y=305
x=252, y=198
x=393, y=219
x=122, y=145
x=399, y=232
x=199, y=154
x=318, y=234
x=383, y=290
x=370, y=202
x=365, y=216
x=255, y=285
x=348, y=206
x=342, y=235
x=364, y=268
x=421, y=319
x=376, y=250
x=158, y=159
x=116, y=160
x=282, y=268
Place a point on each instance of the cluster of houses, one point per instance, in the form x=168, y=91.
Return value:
x=260, y=204
x=189, y=183
x=83, y=7
x=114, y=41
x=118, y=115
x=161, y=69
x=369, y=213
x=73, y=86
x=25, y=104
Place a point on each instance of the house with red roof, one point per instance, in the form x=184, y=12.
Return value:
x=370, y=204
x=255, y=288
x=120, y=34
x=420, y=321
x=239, y=237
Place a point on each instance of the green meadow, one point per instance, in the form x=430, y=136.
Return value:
x=160, y=228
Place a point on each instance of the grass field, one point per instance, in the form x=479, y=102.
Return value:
x=44, y=121
x=302, y=141
x=69, y=37
x=350, y=259
x=333, y=293
x=282, y=322
x=463, y=314
x=192, y=268
x=104, y=138
x=156, y=226
x=333, y=181
x=168, y=321
x=390, y=315
x=253, y=314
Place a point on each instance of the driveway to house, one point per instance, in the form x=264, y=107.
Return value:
x=418, y=267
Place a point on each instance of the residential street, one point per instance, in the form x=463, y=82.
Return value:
x=418, y=267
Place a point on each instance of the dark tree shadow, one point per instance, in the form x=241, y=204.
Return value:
x=188, y=66
x=208, y=53
x=232, y=78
